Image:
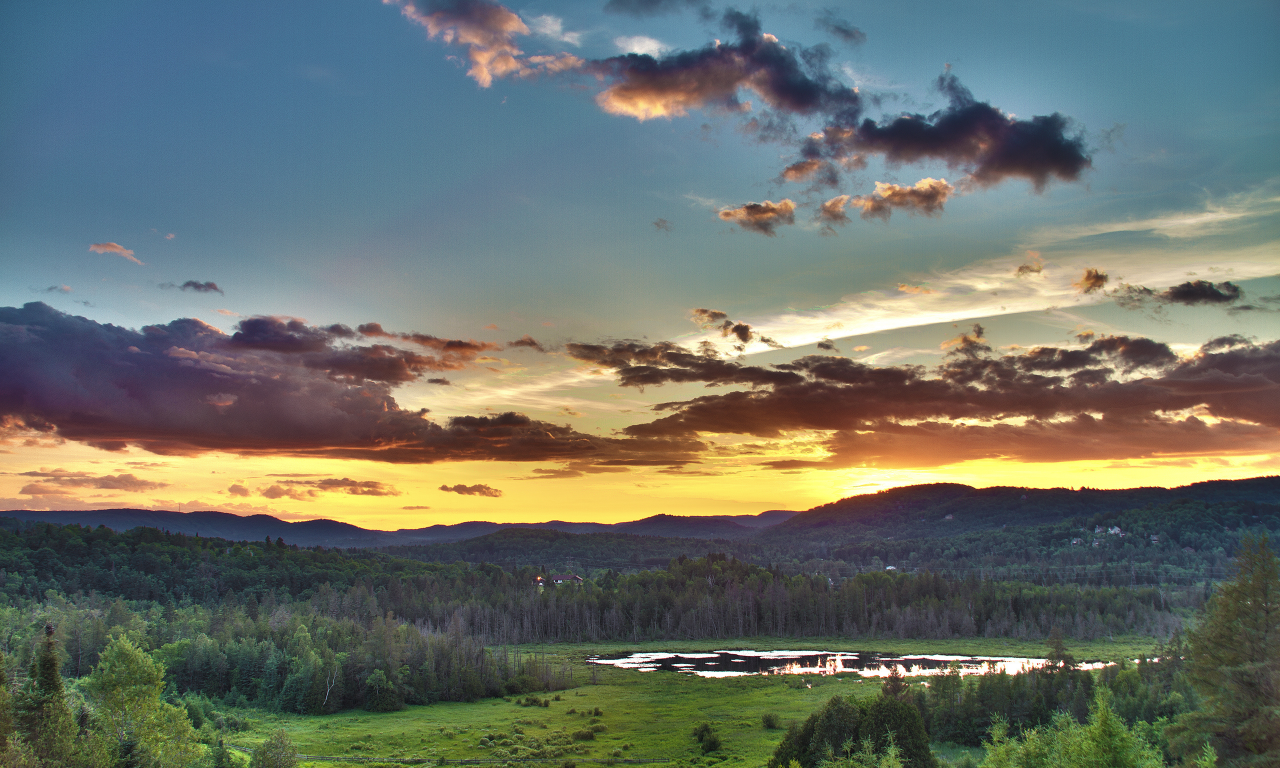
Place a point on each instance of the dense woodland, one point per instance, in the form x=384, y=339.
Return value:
x=312, y=631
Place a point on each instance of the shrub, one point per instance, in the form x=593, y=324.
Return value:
x=711, y=743
x=585, y=734
x=771, y=721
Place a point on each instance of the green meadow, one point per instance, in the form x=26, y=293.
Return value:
x=625, y=714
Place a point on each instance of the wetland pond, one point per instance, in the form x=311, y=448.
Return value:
x=864, y=663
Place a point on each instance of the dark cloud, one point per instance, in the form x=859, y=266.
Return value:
x=528, y=342
x=441, y=381
x=1119, y=397
x=642, y=8
x=927, y=197
x=57, y=289
x=415, y=506
x=237, y=490
x=789, y=80
x=976, y=136
x=186, y=388
x=708, y=318
x=1030, y=268
x=761, y=217
x=838, y=27
x=640, y=365
x=1092, y=280
x=454, y=354
x=195, y=285
x=472, y=490
x=971, y=345
x=662, y=225
x=1190, y=294
x=827, y=345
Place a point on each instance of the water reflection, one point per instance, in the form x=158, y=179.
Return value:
x=864, y=663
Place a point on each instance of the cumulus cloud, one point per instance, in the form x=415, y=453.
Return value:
x=195, y=285
x=237, y=490
x=488, y=31
x=117, y=249
x=974, y=135
x=927, y=197
x=761, y=217
x=771, y=86
x=1092, y=280
x=832, y=212
x=839, y=28
x=472, y=490
x=1117, y=397
x=275, y=387
x=645, y=87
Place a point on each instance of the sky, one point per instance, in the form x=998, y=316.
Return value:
x=407, y=262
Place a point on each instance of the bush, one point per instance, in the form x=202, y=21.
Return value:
x=585, y=734
x=276, y=752
x=770, y=721
x=711, y=743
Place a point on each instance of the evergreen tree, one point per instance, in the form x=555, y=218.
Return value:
x=44, y=718
x=1235, y=665
x=6, y=708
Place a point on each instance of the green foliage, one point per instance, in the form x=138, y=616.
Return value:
x=879, y=725
x=1103, y=741
x=6, y=708
x=1235, y=665
x=276, y=752
x=43, y=717
x=706, y=736
x=125, y=690
x=770, y=721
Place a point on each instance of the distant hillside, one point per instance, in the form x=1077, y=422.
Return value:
x=330, y=533
x=942, y=510
x=557, y=549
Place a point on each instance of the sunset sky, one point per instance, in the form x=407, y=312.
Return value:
x=401, y=263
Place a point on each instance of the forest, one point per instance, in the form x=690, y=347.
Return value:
x=266, y=626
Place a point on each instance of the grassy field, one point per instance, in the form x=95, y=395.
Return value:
x=630, y=714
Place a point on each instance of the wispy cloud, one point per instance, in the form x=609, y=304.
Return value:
x=553, y=27
x=117, y=249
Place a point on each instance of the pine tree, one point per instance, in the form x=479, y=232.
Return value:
x=6, y=708
x=43, y=716
x=1235, y=664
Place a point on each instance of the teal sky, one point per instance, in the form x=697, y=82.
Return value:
x=334, y=162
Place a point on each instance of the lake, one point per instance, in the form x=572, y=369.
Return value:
x=864, y=663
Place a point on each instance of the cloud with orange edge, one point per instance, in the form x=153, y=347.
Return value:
x=117, y=249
